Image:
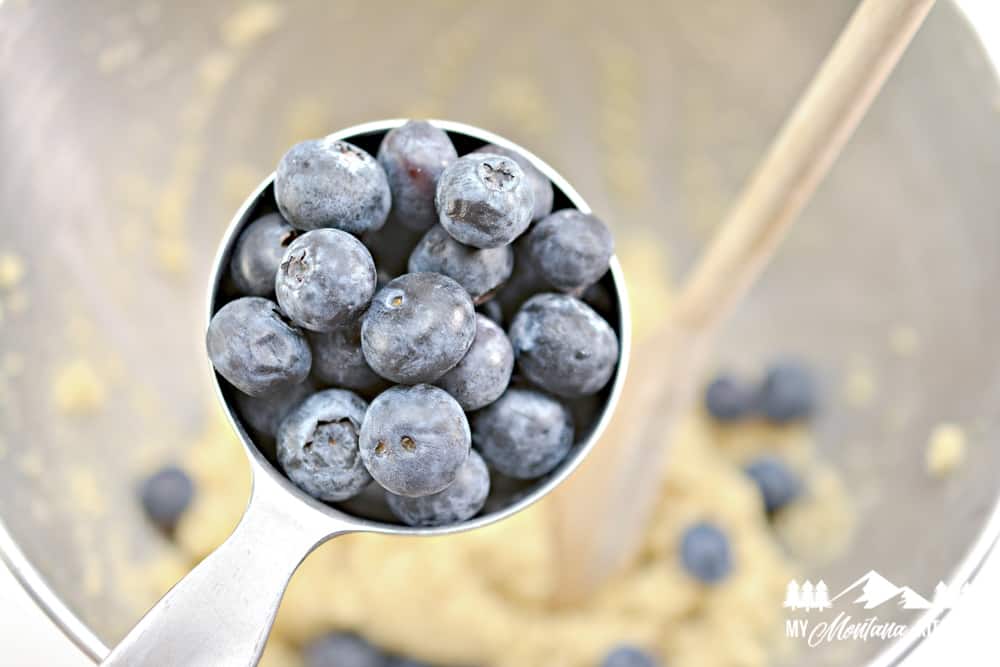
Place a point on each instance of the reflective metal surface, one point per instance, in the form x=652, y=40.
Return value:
x=132, y=130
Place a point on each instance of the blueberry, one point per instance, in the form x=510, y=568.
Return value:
x=540, y=184
x=264, y=414
x=325, y=280
x=563, y=346
x=418, y=327
x=166, y=495
x=258, y=253
x=788, y=393
x=254, y=346
x=484, y=372
x=629, y=656
x=338, y=360
x=318, y=445
x=727, y=399
x=484, y=200
x=340, y=649
x=493, y=310
x=777, y=483
x=705, y=553
x=413, y=156
x=524, y=434
x=460, y=501
x=329, y=183
x=480, y=271
x=414, y=440
x=570, y=249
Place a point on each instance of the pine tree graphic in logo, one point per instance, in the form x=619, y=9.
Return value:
x=946, y=597
x=874, y=590
x=808, y=597
x=821, y=597
x=792, y=595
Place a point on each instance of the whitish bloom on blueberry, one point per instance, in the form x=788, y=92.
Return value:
x=563, y=346
x=329, y=183
x=325, y=280
x=417, y=328
x=256, y=348
x=413, y=156
x=484, y=200
x=484, y=372
x=540, y=184
x=571, y=250
x=318, y=445
x=459, y=501
x=525, y=434
x=415, y=440
x=480, y=271
x=258, y=253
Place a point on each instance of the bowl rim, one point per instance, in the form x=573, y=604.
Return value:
x=975, y=558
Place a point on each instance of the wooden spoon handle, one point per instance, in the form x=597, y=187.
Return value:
x=798, y=159
x=601, y=513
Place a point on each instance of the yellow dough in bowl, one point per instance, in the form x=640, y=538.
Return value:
x=483, y=598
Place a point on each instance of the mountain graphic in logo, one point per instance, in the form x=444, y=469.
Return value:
x=910, y=599
x=876, y=590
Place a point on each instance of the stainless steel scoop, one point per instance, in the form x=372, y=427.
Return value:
x=221, y=613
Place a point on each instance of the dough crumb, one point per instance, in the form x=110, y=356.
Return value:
x=904, y=340
x=216, y=69
x=77, y=389
x=250, y=23
x=11, y=271
x=945, y=449
x=859, y=388
x=818, y=527
x=85, y=491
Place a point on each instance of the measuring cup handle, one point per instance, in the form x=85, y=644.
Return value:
x=221, y=613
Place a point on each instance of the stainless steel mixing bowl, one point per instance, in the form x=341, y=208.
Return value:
x=132, y=130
